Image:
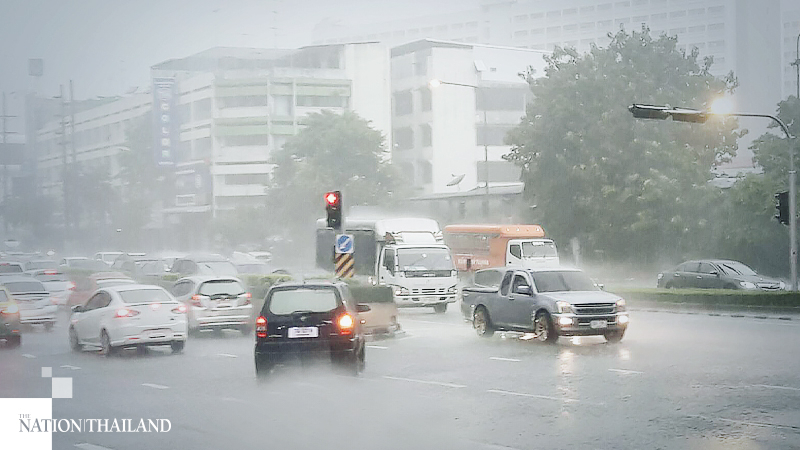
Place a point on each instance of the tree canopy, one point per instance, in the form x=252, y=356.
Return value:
x=332, y=152
x=626, y=188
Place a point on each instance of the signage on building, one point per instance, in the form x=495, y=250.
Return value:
x=165, y=120
x=193, y=184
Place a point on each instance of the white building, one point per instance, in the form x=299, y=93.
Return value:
x=790, y=30
x=447, y=138
x=234, y=107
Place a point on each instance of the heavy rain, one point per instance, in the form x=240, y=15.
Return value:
x=473, y=224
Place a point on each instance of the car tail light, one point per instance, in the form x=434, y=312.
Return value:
x=53, y=300
x=125, y=312
x=10, y=309
x=181, y=309
x=246, y=296
x=346, y=324
x=196, y=300
x=50, y=272
x=261, y=327
x=71, y=286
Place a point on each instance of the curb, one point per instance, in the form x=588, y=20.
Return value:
x=715, y=314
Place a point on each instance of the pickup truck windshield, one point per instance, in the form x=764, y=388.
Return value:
x=413, y=259
x=559, y=281
x=538, y=249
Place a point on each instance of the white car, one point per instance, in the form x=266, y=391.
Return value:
x=107, y=257
x=129, y=315
x=215, y=303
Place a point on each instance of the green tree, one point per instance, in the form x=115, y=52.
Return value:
x=757, y=237
x=627, y=188
x=332, y=152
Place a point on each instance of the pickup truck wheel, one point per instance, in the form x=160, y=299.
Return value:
x=543, y=328
x=614, y=336
x=481, y=323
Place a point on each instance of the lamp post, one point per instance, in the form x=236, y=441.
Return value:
x=693, y=115
x=478, y=92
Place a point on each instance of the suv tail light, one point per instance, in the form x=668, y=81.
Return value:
x=71, y=286
x=261, y=327
x=346, y=324
x=180, y=309
x=125, y=312
x=196, y=300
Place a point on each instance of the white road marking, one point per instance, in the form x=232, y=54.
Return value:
x=520, y=394
x=67, y=366
x=377, y=346
x=86, y=446
x=437, y=383
x=626, y=372
x=227, y=355
x=504, y=359
x=155, y=386
x=777, y=387
x=29, y=356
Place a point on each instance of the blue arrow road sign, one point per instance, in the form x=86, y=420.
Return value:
x=344, y=243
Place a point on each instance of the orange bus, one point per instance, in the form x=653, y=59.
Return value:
x=480, y=246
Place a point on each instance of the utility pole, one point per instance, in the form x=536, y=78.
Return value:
x=64, y=171
x=74, y=164
x=5, y=157
x=792, y=186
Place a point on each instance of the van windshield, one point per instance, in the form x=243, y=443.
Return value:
x=538, y=249
x=411, y=259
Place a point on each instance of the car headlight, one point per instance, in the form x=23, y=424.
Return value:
x=747, y=285
x=451, y=290
x=564, y=307
x=621, y=304
x=399, y=290
x=660, y=276
x=782, y=286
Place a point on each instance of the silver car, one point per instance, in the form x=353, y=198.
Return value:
x=35, y=304
x=215, y=303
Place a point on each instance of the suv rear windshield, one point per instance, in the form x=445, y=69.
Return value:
x=25, y=287
x=48, y=277
x=287, y=301
x=145, y=296
x=108, y=282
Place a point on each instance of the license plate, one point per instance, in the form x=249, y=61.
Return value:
x=303, y=332
x=598, y=324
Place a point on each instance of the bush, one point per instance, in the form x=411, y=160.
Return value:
x=713, y=297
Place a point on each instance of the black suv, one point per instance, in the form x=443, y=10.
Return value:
x=310, y=320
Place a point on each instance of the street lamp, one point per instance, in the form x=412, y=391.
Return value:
x=434, y=83
x=697, y=116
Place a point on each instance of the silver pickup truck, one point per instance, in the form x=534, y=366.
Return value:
x=547, y=302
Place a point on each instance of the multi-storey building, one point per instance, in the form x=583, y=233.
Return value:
x=234, y=107
x=790, y=30
x=742, y=36
x=453, y=104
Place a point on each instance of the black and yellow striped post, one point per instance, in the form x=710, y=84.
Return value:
x=344, y=263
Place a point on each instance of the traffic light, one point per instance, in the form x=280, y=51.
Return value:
x=782, y=207
x=333, y=208
x=665, y=112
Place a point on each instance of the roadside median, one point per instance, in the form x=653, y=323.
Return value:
x=756, y=304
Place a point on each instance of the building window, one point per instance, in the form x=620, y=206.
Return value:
x=501, y=99
x=604, y=24
x=492, y=134
x=604, y=7
x=247, y=178
x=553, y=14
x=675, y=14
x=403, y=103
x=658, y=17
x=425, y=172
x=571, y=27
x=243, y=140
x=697, y=29
x=421, y=63
x=697, y=12
x=716, y=27
x=427, y=135
x=403, y=138
x=425, y=98
x=522, y=34
x=639, y=2
x=202, y=109
x=716, y=10
x=623, y=4
x=570, y=11
x=242, y=101
x=676, y=31
x=323, y=101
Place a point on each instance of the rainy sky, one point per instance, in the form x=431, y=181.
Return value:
x=107, y=46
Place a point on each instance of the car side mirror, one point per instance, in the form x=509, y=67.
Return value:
x=524, y=290
x=715, y=273
x=77, y=308
x=362, y=308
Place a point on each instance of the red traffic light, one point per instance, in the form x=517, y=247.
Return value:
x=332, y=198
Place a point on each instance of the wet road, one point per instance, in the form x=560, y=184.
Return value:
x=676, y=381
